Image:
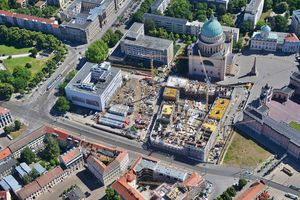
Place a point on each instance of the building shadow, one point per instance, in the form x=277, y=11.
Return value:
x=90, y=181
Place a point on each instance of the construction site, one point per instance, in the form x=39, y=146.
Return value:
x=189, y=117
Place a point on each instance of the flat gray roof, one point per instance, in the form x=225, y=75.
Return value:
x=165, y=18
x=150, y=42
x=83, y=74
x=7, y=165
x=252, y=6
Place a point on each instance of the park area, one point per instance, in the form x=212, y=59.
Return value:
x=11, y=50
x=244, y=152
x=36, y=64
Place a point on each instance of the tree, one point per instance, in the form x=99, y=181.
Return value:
x=4, y=5
x=281, y=7
x=231, y=191
x=8, y=129
x=62, y=104
x=180, y=9
x=221, y=10
x=242, y=183
x=239, y=44
x=226, y=196
x=202, y=18
x=27, y=156
x=28, y=65
x=227, y=20
x=259, y=24
x=281, y=23
x=137, y=17
x=97, y=51
x=149, y=25
x=268, y=4
x=18, y=125
x=246, y=26
x=110, y=193
x=117, y=197
x=33, y=52
x=6, y=91
x=51, y=150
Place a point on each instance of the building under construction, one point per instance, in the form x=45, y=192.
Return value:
x=187, y=124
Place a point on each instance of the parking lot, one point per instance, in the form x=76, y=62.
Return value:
x=94, y=189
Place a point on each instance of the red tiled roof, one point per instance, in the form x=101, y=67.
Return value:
x=49, y=176
x=5, y=153
x=28, y=190
x=97, y=163
x=123, y=188
x=194, y=180
x=71, y=155
x=3, y=110
x=5, y=195
x=291, y=37
x=252, y=192
x=28, y=17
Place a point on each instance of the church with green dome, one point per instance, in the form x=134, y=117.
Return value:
x=214, y=48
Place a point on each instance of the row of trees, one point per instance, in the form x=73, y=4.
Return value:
x=112, y=38
x=111, y=194
x=21, y=79
x=280, y=6
x=180, y=9
x=31, y=10
x=231, y=191
x=139, y=15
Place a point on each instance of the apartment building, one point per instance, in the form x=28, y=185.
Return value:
x=107, y=164
x=168, y=178
x=34, y=140
x=42, y=184
x=7, y=168
x=5, y=118
x=295, y=24
x=253, y=11
x=94, y=85
x=183, y=26
x=72, y=159
x=159, y=6
x=138, y=45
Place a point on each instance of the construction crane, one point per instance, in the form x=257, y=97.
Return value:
x=207, y=82
x=151, y=57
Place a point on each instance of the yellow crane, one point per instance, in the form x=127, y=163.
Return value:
x=207, y=82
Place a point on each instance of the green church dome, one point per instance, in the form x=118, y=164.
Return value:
x=211, y=28
x=265, y=28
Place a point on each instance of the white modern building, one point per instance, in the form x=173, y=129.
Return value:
x=159, y=6
x=213, y=49
x=94, y=85
x=5, y=117
x=296, y=22
x=138, y=45
x=253, y=11
x=267, y=40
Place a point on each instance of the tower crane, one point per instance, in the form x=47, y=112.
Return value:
x=207, y=82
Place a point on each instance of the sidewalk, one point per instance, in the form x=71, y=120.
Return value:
x=15, y=56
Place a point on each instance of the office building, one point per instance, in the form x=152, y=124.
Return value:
x=168, y=178
x=159, y=6
x=214, y=51
x=5, y=118
x=183, y=26
x=267, y=40
x=94, y=85
x=261, y=127
x=295, y=24
x=138, y=45
x=253, y=11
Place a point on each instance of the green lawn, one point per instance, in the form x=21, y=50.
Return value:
x=11, y=50
x=265, y=14
x=37, y=65
x=243, y=152
x=295, y=125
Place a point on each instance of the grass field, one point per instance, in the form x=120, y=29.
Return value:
x=11, y=50
x=244, y=152
x=18, y=133
x=37, y=65
x=295, y=125
x=265, y=14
